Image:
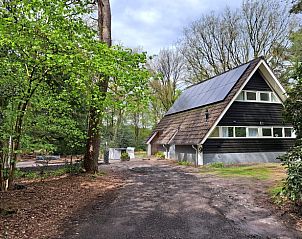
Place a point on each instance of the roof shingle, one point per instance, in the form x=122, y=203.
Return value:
x=190, y=127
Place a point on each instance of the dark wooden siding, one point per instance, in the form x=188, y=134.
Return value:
x=251, y=114
x=185, y=149
x=247, y=145
x=257, y=83
x=156, y=147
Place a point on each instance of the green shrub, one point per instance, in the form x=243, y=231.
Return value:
x=184, y=163
x=125, y=156
x=217, y=165
x=75, y=168
x=26, y=175
x=292, y=188
x=160, y=155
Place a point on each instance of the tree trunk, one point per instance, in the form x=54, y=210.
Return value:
x=117, y=125
x=93, y=142
x=2, y=162
x=95, y=119
x=136, y=128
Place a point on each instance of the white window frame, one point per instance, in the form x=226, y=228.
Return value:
x=243, y=93
x=282, y=132
x=276, y=96
x=250, y=91
x=293, y=135
x=221, y=132
x=240, y=127
x=267, y=127
x=258, y=98
x=260, y=133
x=269, y=96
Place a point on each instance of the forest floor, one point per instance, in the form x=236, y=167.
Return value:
x=147, y=199
x=44, y=206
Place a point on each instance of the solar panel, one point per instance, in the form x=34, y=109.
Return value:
x=208, y=92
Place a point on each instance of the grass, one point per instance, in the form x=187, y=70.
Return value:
x=257, y=171
x=276, y=190
x=185, y=163
x=140, y=154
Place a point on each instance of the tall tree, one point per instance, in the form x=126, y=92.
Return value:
x=168, y=70
x=293, y=113
x=95, y=113
x=218, y=42
x=43, y=44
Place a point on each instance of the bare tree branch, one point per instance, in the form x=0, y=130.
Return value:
x=218, y=42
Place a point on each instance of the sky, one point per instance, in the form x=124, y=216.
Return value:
x=156, y=24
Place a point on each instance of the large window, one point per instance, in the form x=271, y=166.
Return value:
x=252, y=132
x=258, y=96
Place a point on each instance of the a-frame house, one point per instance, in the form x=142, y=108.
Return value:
x=234, y=117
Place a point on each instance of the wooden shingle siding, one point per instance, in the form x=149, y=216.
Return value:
x=251, y=114
x=257, y=83
x=247, y=145
x=191, y=125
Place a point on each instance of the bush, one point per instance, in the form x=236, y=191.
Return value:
x=125, y=156
x=292, y=188
x=160, y=155
x=75, y=168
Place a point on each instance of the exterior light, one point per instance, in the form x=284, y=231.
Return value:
x=207, y=115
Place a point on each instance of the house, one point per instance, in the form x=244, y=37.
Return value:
x=234, y=117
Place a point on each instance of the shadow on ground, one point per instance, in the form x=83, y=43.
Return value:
x=165, y=201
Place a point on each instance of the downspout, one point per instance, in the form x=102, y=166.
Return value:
x=196, y=157
x=166, y=150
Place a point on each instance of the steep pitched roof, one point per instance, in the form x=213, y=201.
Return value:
x=208, y=92
x=190, y=127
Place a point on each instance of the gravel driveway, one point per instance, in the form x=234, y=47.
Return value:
x=162, y=200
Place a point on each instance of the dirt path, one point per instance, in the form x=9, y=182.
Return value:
x=161, y=200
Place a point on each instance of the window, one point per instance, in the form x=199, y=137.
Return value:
x=253, y=132
x=251, y=95
x=274, y=98
x=241, y=96
x=240, y=132
x=267, y=132
x=258, y=96
x=277, y=132
x=265, y=96
x=288, y=132
x=227, y=131
x=215, y=132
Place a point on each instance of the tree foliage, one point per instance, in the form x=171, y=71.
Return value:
x=293, y=113
x=49, y=61
x=218, y=42
x=297, y=6
x=168, y=71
